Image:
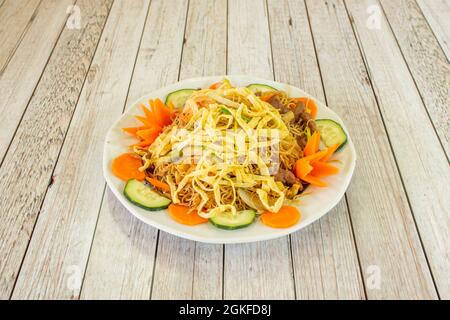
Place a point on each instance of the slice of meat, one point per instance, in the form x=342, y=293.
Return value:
x=301, y=141
x=277, y=104
x=286, y=177
x=298, y=110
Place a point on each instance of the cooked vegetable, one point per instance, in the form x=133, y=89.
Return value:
x=263, y=88
x=158, y=184
x=323, y=169
x=226, y=220
x=179, y=97
x=331, y=132
x=312, y=145
x=144, y=197
x=126, y=167
x=286, y=217
x=182, y=215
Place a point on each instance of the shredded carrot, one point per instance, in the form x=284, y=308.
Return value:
x=182, y=215
x=285, y=218
x=312, y=146
x=158, y=184
x=126, y=167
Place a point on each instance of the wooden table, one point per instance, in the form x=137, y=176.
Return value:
x=67, y=73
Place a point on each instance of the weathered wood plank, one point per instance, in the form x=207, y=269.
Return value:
x=28, y=165
x=426, y=61
x=15, y=17
x=386, y=237
x=263, y=269
x=196, y=268
x=437, y=13
x=324, y=254
x=415, y=143
x=127, y=271
x=59, y=248
x=23, y=71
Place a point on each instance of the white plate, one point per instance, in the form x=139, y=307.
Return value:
x=317, y=203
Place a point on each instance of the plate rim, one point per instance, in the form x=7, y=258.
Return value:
x=224, y=240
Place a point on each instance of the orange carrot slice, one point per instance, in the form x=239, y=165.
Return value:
x=302, y=168
x=215, y=85
x=158, y=184
x=312, y=146
x=330, y=151
x=322, y=169
x=126, y=167
x=133, y=130
x=314, y=181
x=285, y=218
x=181, y=214
x=149, y=134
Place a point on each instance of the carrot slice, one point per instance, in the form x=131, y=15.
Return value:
x=285, y=218
x=310, y=105
x=147, y=122
x=312, y=146
x=158, y=184
x=161, y=113
x=268, y=96
x=149, y=134
x=314, y=181
x=182, y=215
x=330, y=151
x=215, y=85
x=133, y=130
x=148, y=113
x=126, y=167
x=318, y=156
x=322, y=169
x=302, y=168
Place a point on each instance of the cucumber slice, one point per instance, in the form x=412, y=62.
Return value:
x=178, y=98
x=143, y=196
x=331, y=132
x=257, y=87
x=228, y=221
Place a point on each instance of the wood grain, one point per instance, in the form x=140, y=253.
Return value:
x=196, y=268
x=61, y=241
x=15, y=17
x=134, y=241
x=23, y=71
x=386, y=237
x=324, y=254
x=437, y=13
x=426, y=61
x=261, y=270
x=414, y=141
x=28, y=165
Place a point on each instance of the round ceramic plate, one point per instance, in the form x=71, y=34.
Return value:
x=316, y=203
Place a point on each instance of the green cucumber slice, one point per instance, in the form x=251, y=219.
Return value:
x=228, y=221
x=331, y=132
x=143, y=196
x=178, y=98
x=258, y=87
